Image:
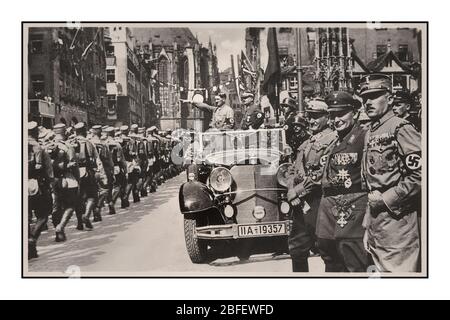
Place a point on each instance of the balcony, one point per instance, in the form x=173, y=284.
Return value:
x=42, y=108
x=110, y=61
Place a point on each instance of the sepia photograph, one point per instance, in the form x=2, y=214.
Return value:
x=225, y=150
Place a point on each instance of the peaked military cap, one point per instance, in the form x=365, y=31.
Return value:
x=96, y=129
x=317, y=105
x=375, y=83
x=59, y=128
x=341, y=100
x=79, y=126
x=32, y=125
x=402, y=96
x=109, y=129
x=289, y=102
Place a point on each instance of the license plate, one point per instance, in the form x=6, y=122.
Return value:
x=258, y=230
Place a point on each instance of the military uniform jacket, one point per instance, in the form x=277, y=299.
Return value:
x=392, y=165
x=104, y=154
x=222, y=117
x=306, y=174
x=253, y=117
x=40, y=170
x=87, y=157
x=344, y=203
x=117, y=155
x=392, y=162
x=309, y=164
x=65, y=164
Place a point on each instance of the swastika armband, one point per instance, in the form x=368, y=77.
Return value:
x=413, y=161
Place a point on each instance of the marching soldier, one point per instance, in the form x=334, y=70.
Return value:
x=253, y=116
x=40, y=184
x=105, y=190
x=133, y=170
x=392, y=173
x=152, y=153
x=67, y=174
x=91, y=171
x=344, y=202
x=120, y=165
x=142, y=150
x=222, y=114
x=304, y=184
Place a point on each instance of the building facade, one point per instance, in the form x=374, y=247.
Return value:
x=336, y=58
x=67, y=79
x=128, y=81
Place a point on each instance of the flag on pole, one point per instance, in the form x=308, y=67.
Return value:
x=273, y=71
x=247, y=75
x=89, y=46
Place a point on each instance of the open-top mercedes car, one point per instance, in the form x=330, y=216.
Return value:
x=236, y=190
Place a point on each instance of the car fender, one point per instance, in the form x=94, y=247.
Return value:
x=195, y=197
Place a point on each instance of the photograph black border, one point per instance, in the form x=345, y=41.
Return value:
x=294, y=276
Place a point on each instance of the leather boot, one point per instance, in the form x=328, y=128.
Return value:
x=300, y=265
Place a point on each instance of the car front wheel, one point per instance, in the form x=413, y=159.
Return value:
x=196, y=248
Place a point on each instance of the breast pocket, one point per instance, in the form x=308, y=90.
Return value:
x=383, y=158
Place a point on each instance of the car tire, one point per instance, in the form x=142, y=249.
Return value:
x=196, y=248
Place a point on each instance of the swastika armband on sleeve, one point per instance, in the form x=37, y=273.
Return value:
x=413, y=161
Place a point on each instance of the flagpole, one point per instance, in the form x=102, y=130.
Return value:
x=299, y=72
x=233, y=74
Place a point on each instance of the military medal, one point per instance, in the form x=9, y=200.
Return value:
x=342, y=212
x=348, y=183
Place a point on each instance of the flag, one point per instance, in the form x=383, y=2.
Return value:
x=89, y=46
x=273, y=70
x=247, y=75
x=85, y=52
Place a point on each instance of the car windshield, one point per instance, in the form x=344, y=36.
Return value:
x=261, y=146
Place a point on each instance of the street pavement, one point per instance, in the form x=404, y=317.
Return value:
x=146, y=239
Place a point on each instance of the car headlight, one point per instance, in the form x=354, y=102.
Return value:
x=282, y=174
x=285, y=207
x=220, y=179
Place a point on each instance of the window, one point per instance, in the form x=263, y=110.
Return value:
x=381, y=49
x=131, y=78
x=37, y=43
x=163, y=88
x=112, y=102
x=38, y=85
x=403, y=52
x=110, y=75
x=110, y=50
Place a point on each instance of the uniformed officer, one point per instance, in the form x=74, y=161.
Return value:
x=402, y=107
x=152, y=163
x=91, y=171
x=105, y=190
x=253, y=116
x=157, y=153
x=40, y=184
x=67, y=174
x=295, y=125
x=392, y=172
x=142, y=153
x=133, y=169
x=120, y=165
x=344, y=202
x=222, y=114
x=304, y=184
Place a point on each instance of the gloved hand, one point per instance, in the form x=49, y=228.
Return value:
x=376, y=203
